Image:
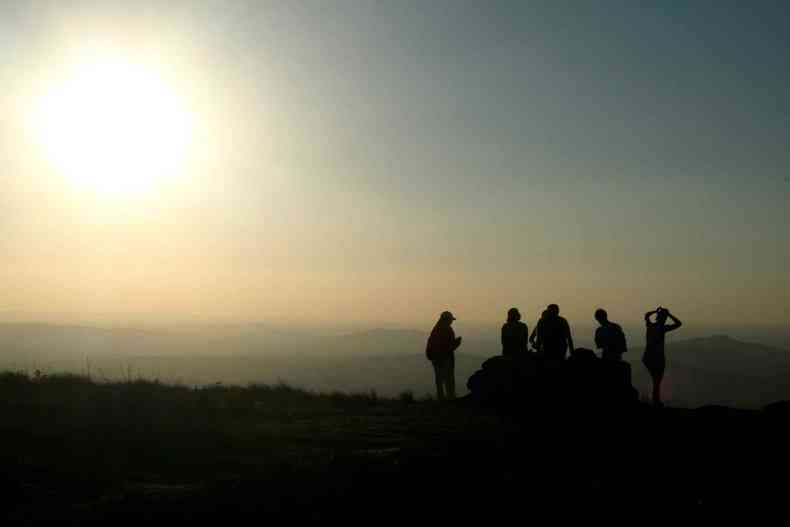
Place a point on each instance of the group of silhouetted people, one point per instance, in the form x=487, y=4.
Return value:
x=551, y=339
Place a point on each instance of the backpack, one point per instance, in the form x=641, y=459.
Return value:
x=433, y=349
x=619, y=341
x=430, y=349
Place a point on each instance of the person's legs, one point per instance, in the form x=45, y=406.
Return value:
x=655, y=364
x=658, y=376
x=450, y=377
x=438, y=377
x=656, y=391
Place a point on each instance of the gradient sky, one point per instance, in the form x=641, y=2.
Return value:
x=374, y=163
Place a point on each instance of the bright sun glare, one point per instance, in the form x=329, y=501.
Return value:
x=114, y=127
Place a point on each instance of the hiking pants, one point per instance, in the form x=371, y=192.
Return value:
x=444, y=371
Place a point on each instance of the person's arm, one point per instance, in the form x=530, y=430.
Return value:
x=648, y=315
x=598, y=339
x=454, y=341
x=502, y=340
x=675, y=325
x=570, y=338
x=534, y=335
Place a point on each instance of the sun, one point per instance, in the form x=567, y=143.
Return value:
x=114, y=127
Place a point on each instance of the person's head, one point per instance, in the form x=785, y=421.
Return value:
x=446, y=317
x=513, y=315
x=661, y=315
x=601, y=316
x=553, y=310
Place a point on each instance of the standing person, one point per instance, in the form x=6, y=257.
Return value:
x=514, y=334
x=440, y=350
x=609, y=337
x=555, y=334
x=654, y=358
x=534, y=338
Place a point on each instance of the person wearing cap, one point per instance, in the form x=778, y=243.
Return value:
x=440, y=350
x=514, y=334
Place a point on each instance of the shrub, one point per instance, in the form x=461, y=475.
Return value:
x=406, y=397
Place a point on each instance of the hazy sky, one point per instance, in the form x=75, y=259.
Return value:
x=374, y=163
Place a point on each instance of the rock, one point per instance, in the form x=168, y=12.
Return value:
x=583, y=380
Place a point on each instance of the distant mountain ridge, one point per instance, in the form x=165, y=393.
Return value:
x=387, y=333
x=724, y=354
x=32, y=328
x=721, y=370
x=710, y=370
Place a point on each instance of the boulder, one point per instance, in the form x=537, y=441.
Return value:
x=581, y=380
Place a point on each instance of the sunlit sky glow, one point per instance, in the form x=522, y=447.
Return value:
x=374, y=163
x=113, y=126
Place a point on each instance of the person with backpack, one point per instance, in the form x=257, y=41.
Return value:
x=554, y=335
x=514, y=334
x=654, y=359
x=609, y=337
x=440, y=350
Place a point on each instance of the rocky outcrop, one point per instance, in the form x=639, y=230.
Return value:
x=582, y=380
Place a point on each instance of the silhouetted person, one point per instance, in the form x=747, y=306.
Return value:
x=514, y=334
x=440, y=350
x=654, y=359
x=554, y=334
x=534, y=338
x=609, y=337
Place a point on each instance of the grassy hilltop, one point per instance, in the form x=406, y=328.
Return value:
x=76, y=451
x=92, y=448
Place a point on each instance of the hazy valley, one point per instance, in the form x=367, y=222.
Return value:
x=712, y=370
